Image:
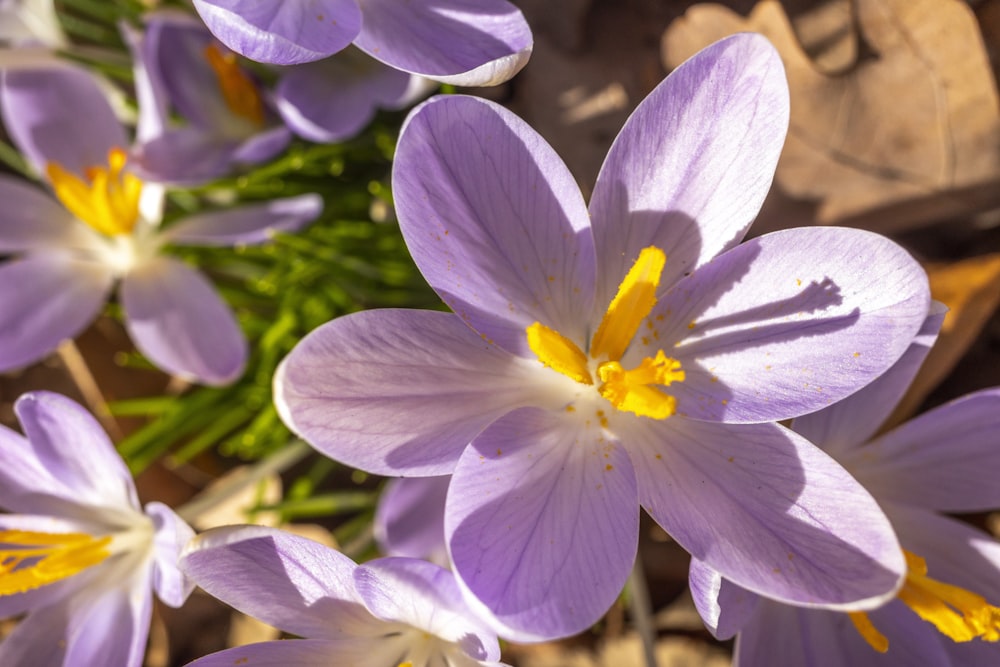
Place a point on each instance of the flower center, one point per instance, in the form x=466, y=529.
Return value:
x=957, y=613
x=29, y=560
x=108, y=200
x=628, y=390
x=238, y=89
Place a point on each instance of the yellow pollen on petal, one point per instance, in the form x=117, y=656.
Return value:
x=238, y=89
x=29, y=560
x=558, y=352
x=867, y=630
x=108, y=200
x=630, y=390
x=635, y=299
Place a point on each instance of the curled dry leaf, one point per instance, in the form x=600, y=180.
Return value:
x=906, y=134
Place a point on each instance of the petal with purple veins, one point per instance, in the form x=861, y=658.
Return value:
x=250, y=224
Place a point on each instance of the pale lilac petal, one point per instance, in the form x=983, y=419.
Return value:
x=690, y=169
x=494, y=220
x=723, y=606
x=784, y=635
x=398, y=391
x=462, y=42
x=38, y=639
x=178, y=321
x=67, y=442
x=946, y=459
x=409, y=519
x=768, y=510
x=787, y=323
x=186, y=155
x=310, y=587
x=362, y=86
x=356, y=652
x=282, y=32
x=110, y=627
x=427, y=597
x=33, y=219
x=255, y=223
x=152, y=105
x=262, y=146
x=60, y=115
x=851, y=422
x=172, y=535
x=542, y=523
x=44, y=300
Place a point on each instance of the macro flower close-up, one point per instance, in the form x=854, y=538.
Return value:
x=631, y=355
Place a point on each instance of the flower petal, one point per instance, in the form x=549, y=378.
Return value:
x=398, y=391
x=542, y=524
x=32, y=220
x=427, y=597
x=462, y=42
x=46, y=299
x=409, y=518
x=494, y=220
x=60, y=115
x=172, y=535
x=690, y=168
x=851, y=422
x=767, y=509
x=38, y=639
x=944, y=460
x=250, y=224
x=187, y=155
x=179, y=322
x=281, y=32
x=110, y=627
x=723, y=606
x=787, y=323
x=363, y=86
x=310, y=587
x=360, y=652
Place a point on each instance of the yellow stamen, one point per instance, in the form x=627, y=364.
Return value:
x=635, y=299
x=558, y=352
x=238, y=89
x=29, y=560
x=629, y=390
x=867, y=630
x=109, y=202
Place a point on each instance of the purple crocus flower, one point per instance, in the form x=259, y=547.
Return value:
x=559, y=414
x=462, y=42
x=409, y=518
x=390, y=611
x=945, y=460
x=103, y=227
x=78, y=554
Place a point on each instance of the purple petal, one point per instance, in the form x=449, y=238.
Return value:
x=110, y=628
x=787, y=323
x=557, y=573
x=44, y=300
x=363, y=85
x=849, y=423
x=262, y=146
x=462, y=42
x=187, y=155
x=281, y=32
x=398, y=391
x=691, y=167
x=60, y=115
x=66, y=455
x=151, y=97
x=409, y=519
x=172, y=535
x=34, y=220
x=38, y=639
x=179, y=322
x=494, y=220
x=246, y=224
x=767, y=509
x=427, y=597
x=723, y=606
x=310, y=587
x=945, y=459
x=364, y=652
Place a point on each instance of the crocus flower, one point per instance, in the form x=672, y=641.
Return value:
x=462, y=42
x=390, y=611
x=409, y=518
x=101, y=229
x=78, y=554
x=635, y=353
x=948, y=608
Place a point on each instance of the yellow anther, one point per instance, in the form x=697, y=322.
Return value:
x=29, y=560
x=238, y=89
x=558, y=352
x=109, y=202
x=630, y=390
x=867, y=630
x=635, y=299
